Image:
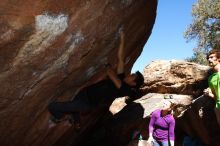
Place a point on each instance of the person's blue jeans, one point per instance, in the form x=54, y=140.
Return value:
x=160, y=143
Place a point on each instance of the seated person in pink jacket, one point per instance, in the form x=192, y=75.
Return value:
x=162, y=124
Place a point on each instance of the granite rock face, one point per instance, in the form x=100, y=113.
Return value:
x=194, y=113
x=175, y=76
x=50, y=49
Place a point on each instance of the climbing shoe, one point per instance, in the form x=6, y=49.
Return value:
x=55, y=120
x=74, y=123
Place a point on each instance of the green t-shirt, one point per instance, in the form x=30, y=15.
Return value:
x=214, y=84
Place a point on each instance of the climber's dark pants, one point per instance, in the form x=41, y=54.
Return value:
x=74, y=107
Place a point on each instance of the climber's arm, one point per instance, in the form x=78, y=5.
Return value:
x=113, y=76
x=121, y=57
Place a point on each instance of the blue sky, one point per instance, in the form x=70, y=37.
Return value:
x=167, y=41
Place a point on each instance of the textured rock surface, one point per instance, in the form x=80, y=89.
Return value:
x=49, y=49
x=197, y=119
x=117, y=128
x=182, y=77
x=174, y=76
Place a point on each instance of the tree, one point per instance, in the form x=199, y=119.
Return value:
x=205, y=28
x=198, y=57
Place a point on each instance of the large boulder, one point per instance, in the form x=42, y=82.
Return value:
x=119, y=125
x=194, y=113
x=49, y=49
x=175, y=76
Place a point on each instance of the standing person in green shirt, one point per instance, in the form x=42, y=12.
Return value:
x=213, y=90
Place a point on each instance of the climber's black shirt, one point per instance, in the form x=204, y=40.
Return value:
x=105, y=91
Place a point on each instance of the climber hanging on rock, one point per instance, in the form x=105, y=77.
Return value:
x=100, y=93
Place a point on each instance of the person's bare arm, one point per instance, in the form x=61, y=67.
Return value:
x=121, y=57
x=151, y=128
x=209, y=92
x=113, y=76
x=171, y=143
x=150, y=139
